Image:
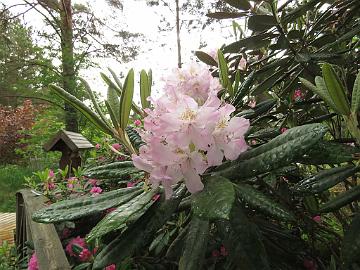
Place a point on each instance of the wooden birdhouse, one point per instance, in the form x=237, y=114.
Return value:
x=70, y=144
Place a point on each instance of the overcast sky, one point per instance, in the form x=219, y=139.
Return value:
x=143, y=19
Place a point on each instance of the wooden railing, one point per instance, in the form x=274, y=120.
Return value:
x=44, y=237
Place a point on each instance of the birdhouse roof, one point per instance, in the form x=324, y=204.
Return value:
x=67, y=139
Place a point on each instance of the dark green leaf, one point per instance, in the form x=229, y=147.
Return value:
x=207, y=59
x=226, y=15
x=126, y=99
x=240, y=4
x=261, y=22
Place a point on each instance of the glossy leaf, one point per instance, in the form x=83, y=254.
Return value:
x=252, y=42
x=113, y=101
x=126, y=99
x=336, y=89
x=216, y=200
x=195, y=244
x=261, y=22
x=112, y=114
x=341, y=200
x=207, y=59
x=260, y=201
x=224, y=73
x=118, y=218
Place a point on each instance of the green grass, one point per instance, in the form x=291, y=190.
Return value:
x=11, y=180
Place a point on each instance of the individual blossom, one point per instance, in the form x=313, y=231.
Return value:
x=189, y=130
x=97, y=146
x=85, y=255
x=33, y=262
x=252, y=103
x=72, y=182
x=75, y=241
x=282, y=130
x=95, y=191
x=137, y=122
x=110, y=267
x=317, y=219
x=298, y=95
x=51, y=174
x=116, y=146
x=242, y=64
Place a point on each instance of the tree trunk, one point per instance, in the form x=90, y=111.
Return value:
x=178, y=33
x=68, y=63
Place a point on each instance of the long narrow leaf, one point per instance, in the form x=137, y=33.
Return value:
x=355, y=100
x=112, y=114
x=82, y=108
x=126, y=99
x=144, y=89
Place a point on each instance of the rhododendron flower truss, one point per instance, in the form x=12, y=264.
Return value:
x=189, y=130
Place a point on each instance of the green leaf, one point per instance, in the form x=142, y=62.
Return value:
x=116, y=79
x=224, y=74
x=207, y=59
x=216, y=200
x=140, y=233
x=144, y=89
x=240, y=4
x=82, y=266
x=269, y=82
x=351, y=243
x=113, y=115
x=195, y=245
x=84, y=206
x=237, y=81
x=341, y=200
x=321, y=90
x=126, y=99
x=113, y=101
x=261, y=22
x=226, y=15
x=124, y=214
x=94, y=101
x=242, y=239
x=110, y=83
x=355, y=100
x=250, y=43
x=336, y=89
x=243, y=90
x=258, y=200
x=82, y=108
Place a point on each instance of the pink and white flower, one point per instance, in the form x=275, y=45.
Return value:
x=189, y=130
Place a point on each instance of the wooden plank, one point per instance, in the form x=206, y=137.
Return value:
x=7, y=227
x=48, y=247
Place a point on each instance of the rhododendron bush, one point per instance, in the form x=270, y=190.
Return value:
x=189, y=130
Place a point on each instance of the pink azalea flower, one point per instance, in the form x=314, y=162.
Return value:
x=50, y=185
x=282, y=130
x=97, y=146
x=51, y=174
x=298, y=95
x=75, y=241
x=110, y=267
x=116, y=146
x=96, y=191
x=155, y=197
x=130, y=184
x=85, y=255
x=137, y=122
x=317, y=219
x=33, y=263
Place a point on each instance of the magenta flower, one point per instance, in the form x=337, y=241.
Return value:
x=51, y=174
x=215, y=253
x=282, y=130
x=97, y=146
x=75, y=241
x=85, y=255
x=298, y=95
x=317, y=219
x=110, y=267
x=95, y=191
x=71, y=182
x=155, y=197
x=116, y=146
x=33, y=263
x=137, y=122
x=130, y=184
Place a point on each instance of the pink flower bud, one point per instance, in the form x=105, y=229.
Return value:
x=137, y=122
x=282, y=130
x=317, y=219
x=110, y=267
x=51, y=174
x=97, y=146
